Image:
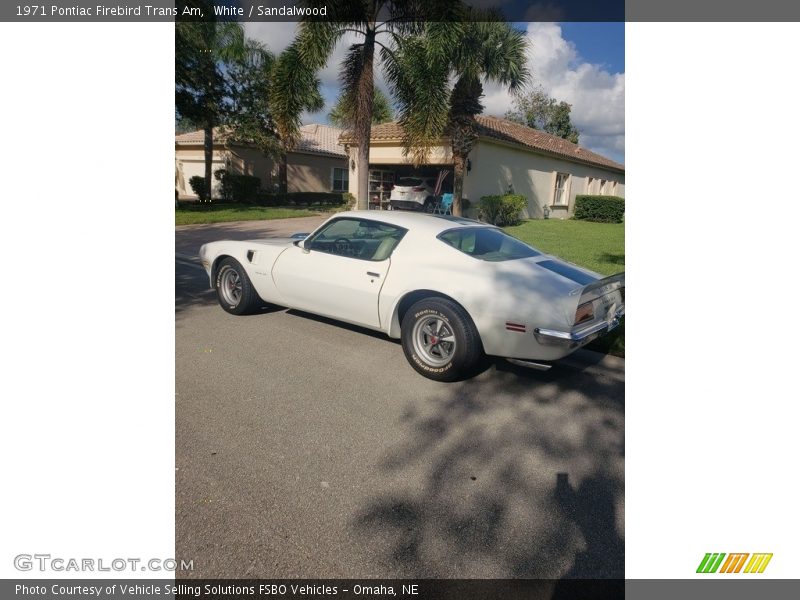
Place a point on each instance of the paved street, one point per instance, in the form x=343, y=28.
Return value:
x=310, y=448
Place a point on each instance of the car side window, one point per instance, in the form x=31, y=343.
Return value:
x=357, y=238
x=487, y=243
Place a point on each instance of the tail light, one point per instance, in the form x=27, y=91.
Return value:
x=584, y=313
x=418, y=189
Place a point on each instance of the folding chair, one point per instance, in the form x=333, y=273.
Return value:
x=445, y=205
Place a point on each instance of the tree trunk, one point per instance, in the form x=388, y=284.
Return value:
x=208, y=146
x=362, y=160
x=363, y=118
x=459, y=162
x=283, y=183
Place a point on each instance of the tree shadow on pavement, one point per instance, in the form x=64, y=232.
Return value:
x=191, y=288
x=514, y=474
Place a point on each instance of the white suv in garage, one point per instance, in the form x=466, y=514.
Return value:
x=413, y=193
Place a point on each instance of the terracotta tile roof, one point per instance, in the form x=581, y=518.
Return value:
x=514, y=133
x=314, y=139
x=320, y=139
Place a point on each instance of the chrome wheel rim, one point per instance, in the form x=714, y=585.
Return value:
x=434, y=340
x=230, y=286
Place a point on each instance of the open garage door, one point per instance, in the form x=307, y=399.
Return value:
x=384, y=179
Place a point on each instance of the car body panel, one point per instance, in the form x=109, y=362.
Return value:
x=522, y=308
x=330, y=285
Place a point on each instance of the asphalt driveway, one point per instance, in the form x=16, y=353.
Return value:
x=310, y=448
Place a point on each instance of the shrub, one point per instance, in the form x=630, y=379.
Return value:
x=198, y=185
x=349, y=201
x=601, y=209
x=502, y=210
x=239, y=188
x=299, y=198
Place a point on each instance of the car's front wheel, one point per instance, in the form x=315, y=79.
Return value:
x=234, y=290
x=440, y=340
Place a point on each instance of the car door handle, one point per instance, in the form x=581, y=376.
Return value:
x=372, y=274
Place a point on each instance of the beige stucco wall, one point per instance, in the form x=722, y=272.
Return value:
x=312, y=172
x=305, y=172
x=495, y=166
x=190, y=160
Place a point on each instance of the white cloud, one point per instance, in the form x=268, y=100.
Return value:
x=597, y=96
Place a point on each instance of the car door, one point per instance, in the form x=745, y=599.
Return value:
x=338, y=272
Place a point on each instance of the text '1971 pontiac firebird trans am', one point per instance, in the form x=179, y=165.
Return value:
x=451, y=289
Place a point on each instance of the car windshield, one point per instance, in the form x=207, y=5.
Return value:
x=487, y=243
x=409, y=182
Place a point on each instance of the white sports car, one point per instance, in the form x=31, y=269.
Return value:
x=450, y=289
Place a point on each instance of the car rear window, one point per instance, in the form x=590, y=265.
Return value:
x=487, y=243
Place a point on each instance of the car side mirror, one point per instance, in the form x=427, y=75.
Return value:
x=302, y=245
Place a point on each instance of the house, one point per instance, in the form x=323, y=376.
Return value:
x=318, y=162
x=547, y=169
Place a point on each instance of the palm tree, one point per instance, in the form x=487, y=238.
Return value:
x=295, y=89
x=343, y=115
x=488, y=49
x=201, y=49
x=376, y=41
x=247, y=113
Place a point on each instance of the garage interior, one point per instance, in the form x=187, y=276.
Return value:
x=383, y=177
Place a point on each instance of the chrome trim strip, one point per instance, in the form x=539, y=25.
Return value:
x=579, y=336
x=530, y=364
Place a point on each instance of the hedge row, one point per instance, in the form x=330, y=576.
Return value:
x=502, y=210
x=246, y=189
x=299, y=198
x=601, y=209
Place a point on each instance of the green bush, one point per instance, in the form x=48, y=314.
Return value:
x=299, y=198
x=502, y=210
x=198, y=185
x=239, y=188
x=601, y=209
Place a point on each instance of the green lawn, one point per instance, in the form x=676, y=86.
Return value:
x=223, y=213
x=596, y=246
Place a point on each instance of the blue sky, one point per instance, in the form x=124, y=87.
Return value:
x=598, y=43
x=581, y=63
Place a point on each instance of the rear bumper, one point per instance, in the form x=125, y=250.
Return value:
x=407, y=204
x=578, y=337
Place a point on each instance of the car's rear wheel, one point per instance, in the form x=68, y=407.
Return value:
x=430, y=204
x=440, y=340
x=234, y=290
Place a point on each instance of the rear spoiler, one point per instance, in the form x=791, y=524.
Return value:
x=604, y=286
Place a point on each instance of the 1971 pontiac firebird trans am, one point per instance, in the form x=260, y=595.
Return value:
x=450, y=289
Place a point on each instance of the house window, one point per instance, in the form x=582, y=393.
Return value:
x=560, y=197
x=340, y=181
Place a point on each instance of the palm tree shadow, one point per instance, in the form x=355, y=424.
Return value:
x=491, y=496
x=592, y=508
